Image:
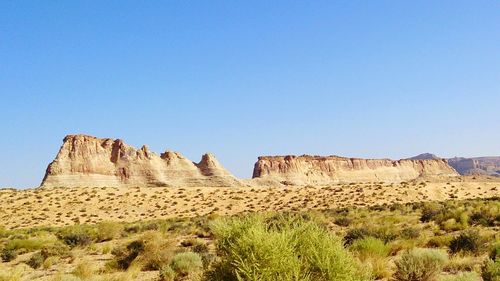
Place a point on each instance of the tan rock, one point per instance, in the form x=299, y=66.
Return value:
x=89, y=161
x=476, y=165
x=301, y=170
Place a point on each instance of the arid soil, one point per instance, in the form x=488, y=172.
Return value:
x=67, y=206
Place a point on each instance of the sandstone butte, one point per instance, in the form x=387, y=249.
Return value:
x=322, y=170
x=87, y=161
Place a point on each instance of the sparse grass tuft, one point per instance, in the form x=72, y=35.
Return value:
x=84, y=270
x=16, y=273
x=370, y=247
x=109, y=230
x=373, y=252
x=36, y=260
x=187, y=263
x=463, y=276
x=167, y=273
x=420, y=264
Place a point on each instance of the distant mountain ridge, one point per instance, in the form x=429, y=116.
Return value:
x=489, y=165
x=425, y=156
x=476, y=165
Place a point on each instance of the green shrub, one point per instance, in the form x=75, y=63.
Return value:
x=152, y=251
x=440, y=241
x=468, y=241
x=495, y=251
x=186, y=263
x=487, y=215
x=410, y=233
x=343, y=221
x=448, y=216
x=8, y=255
x=49, y=262
x=124, y=256
x=55, y=250
x=136, y=246
x=48, y=250
x=420, y=265
x=130, y=229
x=373, y=251
x=157, y=251
x=167, y=273
x=370, y=247
x=109, y=230
x=452, y=225
x=77, y=235
x=35, y=261
x=29, y=244
x=280, y=248
x=402, y=245
x=459, y=263
x=384, y=233
x=355, y=234
x=430, y=211
x=491, y=270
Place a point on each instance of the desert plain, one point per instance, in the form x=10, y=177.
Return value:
x=108, y=211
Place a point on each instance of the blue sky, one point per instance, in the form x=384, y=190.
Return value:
x=247, y=78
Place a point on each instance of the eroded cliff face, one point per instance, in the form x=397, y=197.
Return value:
x=89, y=161
x=476, y=165
x=301, y=170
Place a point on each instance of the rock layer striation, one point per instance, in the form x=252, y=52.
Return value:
x=476, y=165
x=301, y=170
x=89, y=161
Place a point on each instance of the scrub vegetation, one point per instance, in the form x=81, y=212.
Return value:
x=432, y=241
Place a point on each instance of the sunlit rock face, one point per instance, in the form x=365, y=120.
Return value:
x=300, y=170
x=476, y=165
x=89, y=161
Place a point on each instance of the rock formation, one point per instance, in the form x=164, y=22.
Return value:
x=424, y=156
x=89, y=161
x=469, y=166
x=301, y=170
x=476, y=165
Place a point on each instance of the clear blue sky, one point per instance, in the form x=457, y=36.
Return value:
x=248, y=78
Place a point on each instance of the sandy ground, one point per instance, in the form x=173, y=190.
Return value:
x=66, y=206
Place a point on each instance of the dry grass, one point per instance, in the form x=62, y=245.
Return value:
x=173, y=220
x=68, y=206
